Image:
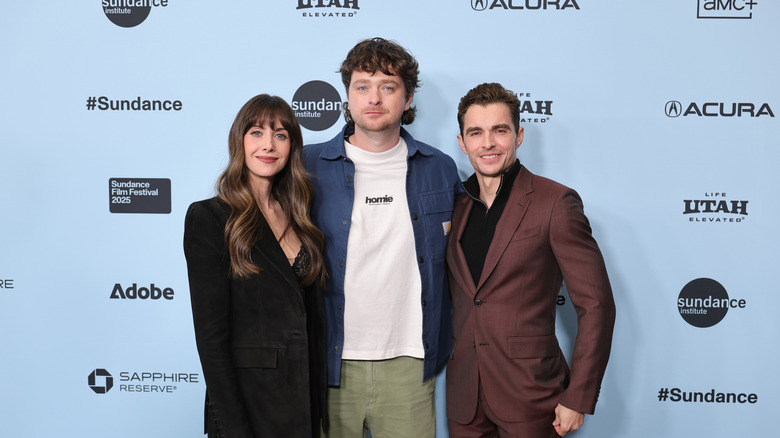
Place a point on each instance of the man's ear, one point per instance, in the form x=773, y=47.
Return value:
x=462, y=145
x=520, y=132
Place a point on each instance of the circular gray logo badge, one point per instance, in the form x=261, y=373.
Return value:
x=317, y=105
x=703, y=302
x=673, y=108
x=123, y=14
x=479, y=5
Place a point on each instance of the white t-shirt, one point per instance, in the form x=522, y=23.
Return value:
x=382, y=286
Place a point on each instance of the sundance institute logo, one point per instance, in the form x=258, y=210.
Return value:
x=130, y=13
x=317, y=105
x=704, y=302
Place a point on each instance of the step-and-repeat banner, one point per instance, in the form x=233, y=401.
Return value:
x=114, y=117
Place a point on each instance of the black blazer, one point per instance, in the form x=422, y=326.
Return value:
x=264, y=369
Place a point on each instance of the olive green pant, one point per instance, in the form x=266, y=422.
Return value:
x=386, y=397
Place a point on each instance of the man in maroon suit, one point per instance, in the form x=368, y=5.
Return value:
x=515, y=236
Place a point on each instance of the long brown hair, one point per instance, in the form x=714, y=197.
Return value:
x=291, y=187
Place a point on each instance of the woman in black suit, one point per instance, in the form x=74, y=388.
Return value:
x=256, y=270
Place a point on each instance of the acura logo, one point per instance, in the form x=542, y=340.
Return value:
x=673, y=108
x=479, y=5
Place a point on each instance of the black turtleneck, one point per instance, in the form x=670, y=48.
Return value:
x=482, y=221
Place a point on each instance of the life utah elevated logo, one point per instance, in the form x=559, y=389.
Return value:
x=328, y=8
x=715, y=207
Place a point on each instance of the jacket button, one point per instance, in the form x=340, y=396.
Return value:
x=414, y=216
x=422, y=260
x=477, y=303
x=336, y=348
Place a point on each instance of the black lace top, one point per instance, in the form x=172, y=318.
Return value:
x=302, y=264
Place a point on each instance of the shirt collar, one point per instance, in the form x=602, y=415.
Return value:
x=335, y=150
x=471, y=185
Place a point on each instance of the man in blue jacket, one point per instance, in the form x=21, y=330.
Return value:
x=384, y=202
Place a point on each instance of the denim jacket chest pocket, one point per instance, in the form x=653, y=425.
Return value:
x=437, y=220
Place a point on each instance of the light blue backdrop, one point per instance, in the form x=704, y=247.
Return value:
x=608, y=69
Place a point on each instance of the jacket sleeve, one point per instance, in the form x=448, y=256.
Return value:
x=585, y=276
x=208, y=264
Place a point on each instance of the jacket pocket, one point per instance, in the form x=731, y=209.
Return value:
x=255, y=357
x=437, y=220
x=529, y=347
x=526, y=233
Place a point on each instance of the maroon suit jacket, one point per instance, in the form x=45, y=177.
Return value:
x=504, y=327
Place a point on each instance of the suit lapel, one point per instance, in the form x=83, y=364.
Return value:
x=513, y=214
x=460, y=269
x=269, y=256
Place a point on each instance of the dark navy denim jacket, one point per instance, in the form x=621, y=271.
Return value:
x=432, y=182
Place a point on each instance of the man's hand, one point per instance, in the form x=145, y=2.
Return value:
x=566, y=420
